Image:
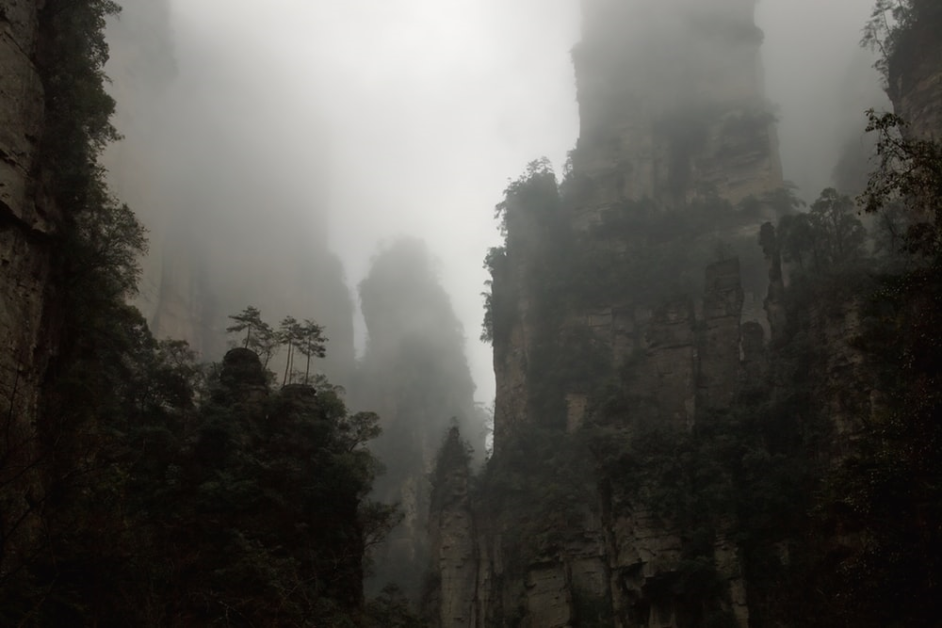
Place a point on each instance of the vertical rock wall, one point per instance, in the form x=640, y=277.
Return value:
x=516, y=309
x=27, y=227
x=915, y=81
x=27, y=220
x=720, y=361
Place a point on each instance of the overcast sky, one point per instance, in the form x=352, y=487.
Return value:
x=425, y=108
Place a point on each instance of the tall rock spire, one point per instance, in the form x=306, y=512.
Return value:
x=619, y=305
x=672, y=104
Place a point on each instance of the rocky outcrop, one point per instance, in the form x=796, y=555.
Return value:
x=833, y=325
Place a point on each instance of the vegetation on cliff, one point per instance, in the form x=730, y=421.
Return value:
x=822, y=473
x=896, y=31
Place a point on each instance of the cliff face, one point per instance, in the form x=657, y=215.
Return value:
x=28, y=225
x=414, y=374
x=27, y=218
x=611, y=559
x=452, y=590
x=619, y=306
x=915, y=78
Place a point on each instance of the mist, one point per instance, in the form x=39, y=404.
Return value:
x=469, y=312
x=337, y=127
x=820, y=81
x=360, y=122
x=415, y=375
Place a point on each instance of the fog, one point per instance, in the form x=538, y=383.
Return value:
x=312, y=125
x=415, y=375
x=821, y=81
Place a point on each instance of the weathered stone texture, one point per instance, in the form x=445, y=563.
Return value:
x=510, y=370
x=671, y=104
x=719, y=358
x=26, y=218
x=666, y=377
x=645, y=86
x=834, y=326
x=454, y=553
x=576, y=408
x=729, y=567
x=549, y=603
x=21, y=116
x=27, y=224
x=646, y=545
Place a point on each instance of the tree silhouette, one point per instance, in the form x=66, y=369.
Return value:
x=248, y=320
x=311, y=343
x=289, y=334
